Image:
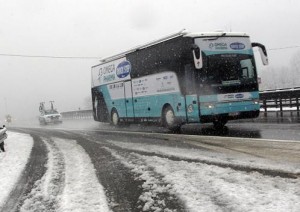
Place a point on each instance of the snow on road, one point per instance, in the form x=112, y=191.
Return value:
x=211, y=188
x=12, y=162
x=82, y=191
x=238, y=159
x=205, y=187
x=70, y=182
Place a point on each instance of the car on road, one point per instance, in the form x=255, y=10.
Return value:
x=50, y=117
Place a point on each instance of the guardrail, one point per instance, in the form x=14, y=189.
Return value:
x=79, y=114
x=280, y=102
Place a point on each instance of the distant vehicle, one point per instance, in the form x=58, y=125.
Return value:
x=8, y=119
x=182, y=78
x=51, y=116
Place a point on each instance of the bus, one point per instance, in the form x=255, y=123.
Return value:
x=180, y=79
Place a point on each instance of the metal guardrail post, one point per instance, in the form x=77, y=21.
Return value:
x=265, y=108
x=297, y=103
x=280, y=105
x=291, y=106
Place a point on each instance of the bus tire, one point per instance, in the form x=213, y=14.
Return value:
x=169, y=119
x=115, y=119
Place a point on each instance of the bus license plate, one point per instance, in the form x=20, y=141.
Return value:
x=234, y=114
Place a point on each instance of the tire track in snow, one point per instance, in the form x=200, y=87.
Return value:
x=45, y=193
x=153, y=150
x=82, y=191
x=34, y=170
x=155, y=196
x=209, y=188
x=68, y=184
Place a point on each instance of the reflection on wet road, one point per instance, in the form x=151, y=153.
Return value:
x=277, y=131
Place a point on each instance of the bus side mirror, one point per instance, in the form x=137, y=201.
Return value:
x=197, y=56
x=263, y=52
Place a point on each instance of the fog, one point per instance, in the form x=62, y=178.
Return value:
x=47, y=47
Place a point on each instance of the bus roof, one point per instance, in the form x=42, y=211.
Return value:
x=219, y=33
x=182, y=33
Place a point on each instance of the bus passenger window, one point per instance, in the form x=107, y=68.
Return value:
x=189, y=79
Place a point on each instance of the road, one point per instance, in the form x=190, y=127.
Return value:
x=276, y=131
x=153, y=170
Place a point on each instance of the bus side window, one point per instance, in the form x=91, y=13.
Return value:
x=189, y=79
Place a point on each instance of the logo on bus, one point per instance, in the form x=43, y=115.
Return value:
x=237, y=46
x=239, y=96
x=218, y=46
x=123, y=69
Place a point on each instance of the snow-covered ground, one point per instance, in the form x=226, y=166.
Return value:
x=238, y=159
x=69, y=184
x=12, y=162
x=205, y=187
x=278, y=109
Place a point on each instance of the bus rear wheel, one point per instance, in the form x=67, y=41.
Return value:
x=169, y=119
x=115, y=120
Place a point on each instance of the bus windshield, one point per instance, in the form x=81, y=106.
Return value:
x=229, y=69
x=227, y=73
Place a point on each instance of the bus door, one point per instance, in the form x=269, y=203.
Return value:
x=128, y=99
x=191, y=97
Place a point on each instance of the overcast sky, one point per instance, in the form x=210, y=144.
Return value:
x=99, y=28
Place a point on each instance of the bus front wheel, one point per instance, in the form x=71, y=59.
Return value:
x=115, y=120
x=169, y=119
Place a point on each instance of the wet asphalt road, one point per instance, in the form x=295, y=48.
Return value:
x=276, y=131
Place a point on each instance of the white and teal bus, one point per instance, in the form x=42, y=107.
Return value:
x=180, y=79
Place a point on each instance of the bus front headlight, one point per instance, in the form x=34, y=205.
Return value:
x=256, y=101
x=208, y=105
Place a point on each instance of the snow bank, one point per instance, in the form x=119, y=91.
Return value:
x=12, y=162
